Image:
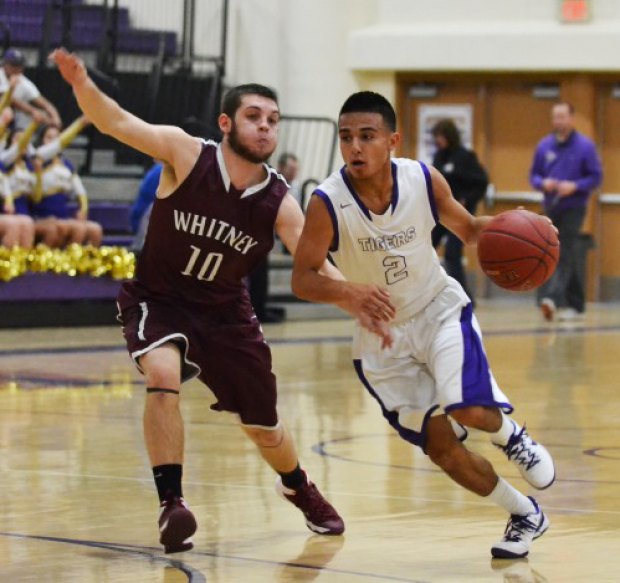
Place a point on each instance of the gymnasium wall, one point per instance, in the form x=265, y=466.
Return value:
x=490, y=53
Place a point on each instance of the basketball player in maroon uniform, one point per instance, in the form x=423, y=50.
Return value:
x=187, y=313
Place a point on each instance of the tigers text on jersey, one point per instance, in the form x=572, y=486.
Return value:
x=205, y=237
x=393, y=250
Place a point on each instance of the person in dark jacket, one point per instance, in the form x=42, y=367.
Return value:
x=468, y=181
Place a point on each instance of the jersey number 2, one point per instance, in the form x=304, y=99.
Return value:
x=210, y=265
x=396, y=268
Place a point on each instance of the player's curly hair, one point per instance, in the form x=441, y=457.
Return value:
x=370, y=102
x=232, y=98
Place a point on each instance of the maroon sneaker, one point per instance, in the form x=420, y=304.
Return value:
x=176, y=526
x=321, y=516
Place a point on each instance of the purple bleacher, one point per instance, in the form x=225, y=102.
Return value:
x=113, y=217
x=52, y=287
x=118, y=240
x=25, y=19
x=144, y=41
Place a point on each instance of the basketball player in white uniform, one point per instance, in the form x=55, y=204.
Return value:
x=426, y=365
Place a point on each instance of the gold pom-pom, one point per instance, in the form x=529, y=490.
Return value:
x=115, y=262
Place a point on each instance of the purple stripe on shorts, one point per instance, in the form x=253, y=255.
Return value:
x=476, y=375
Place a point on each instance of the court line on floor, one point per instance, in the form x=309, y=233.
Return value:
x=195, y=576
x=331, y=492
x=320, y=448
x=314, y=340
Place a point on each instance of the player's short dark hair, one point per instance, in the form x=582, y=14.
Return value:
x=447, y=128
x=370, y=102
x=232, y=98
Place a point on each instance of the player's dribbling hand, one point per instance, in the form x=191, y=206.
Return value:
x=522, y=208
x=71, y=67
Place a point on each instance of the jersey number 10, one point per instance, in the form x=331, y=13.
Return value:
x=210, y=265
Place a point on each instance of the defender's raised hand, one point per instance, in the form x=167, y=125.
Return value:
x=71, y=67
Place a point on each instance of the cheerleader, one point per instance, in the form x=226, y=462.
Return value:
x=22, y=181
x=15, y=229
x=58, y=185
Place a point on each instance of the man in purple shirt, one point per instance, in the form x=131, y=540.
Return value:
x=566, y=168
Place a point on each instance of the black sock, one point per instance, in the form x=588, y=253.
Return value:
x=292, y=480
x=168, y=480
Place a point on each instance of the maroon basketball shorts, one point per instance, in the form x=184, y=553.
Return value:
x=227, y=353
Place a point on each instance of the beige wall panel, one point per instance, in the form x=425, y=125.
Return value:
x=609, y=137
x=609, y=243
x=516, y=123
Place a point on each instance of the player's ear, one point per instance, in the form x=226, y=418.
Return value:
x=394, y=140
x=224, y=122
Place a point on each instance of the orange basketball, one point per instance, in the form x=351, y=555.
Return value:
x=518, y=250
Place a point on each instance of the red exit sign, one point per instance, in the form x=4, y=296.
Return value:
x=575, y=10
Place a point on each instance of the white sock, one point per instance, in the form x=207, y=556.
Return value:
x=510, y=499
x=505, y=432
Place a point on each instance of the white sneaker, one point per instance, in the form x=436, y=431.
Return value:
x=548, y=309
x=519, y=534
x=533, y=460
x=569, y=315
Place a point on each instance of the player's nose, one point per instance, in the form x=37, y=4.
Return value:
x=356, y=145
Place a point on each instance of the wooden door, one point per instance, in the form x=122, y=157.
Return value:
x=516, y=121
x=609, y=135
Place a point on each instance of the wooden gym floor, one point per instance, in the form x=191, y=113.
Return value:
x=78, y=502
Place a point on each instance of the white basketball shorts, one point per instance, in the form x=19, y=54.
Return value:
x=436, y=364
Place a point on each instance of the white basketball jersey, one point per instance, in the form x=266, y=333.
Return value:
x=393, y=250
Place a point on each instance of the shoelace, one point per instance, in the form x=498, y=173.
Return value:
x=517, y=449
x=310, y=501
x=517, y=526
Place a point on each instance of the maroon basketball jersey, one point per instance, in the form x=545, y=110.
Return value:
x=206, y=237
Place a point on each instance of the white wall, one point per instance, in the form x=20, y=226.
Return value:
x=299, y=47
x=316, y=52
x=452, y=35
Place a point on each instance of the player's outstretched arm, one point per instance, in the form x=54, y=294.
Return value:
x=309, y=284
x=167, y=143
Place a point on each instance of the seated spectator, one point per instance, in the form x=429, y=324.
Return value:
x=27, y=100
x=288, y=166
x=22, y=181
x=57, y=186
x=15, y=229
